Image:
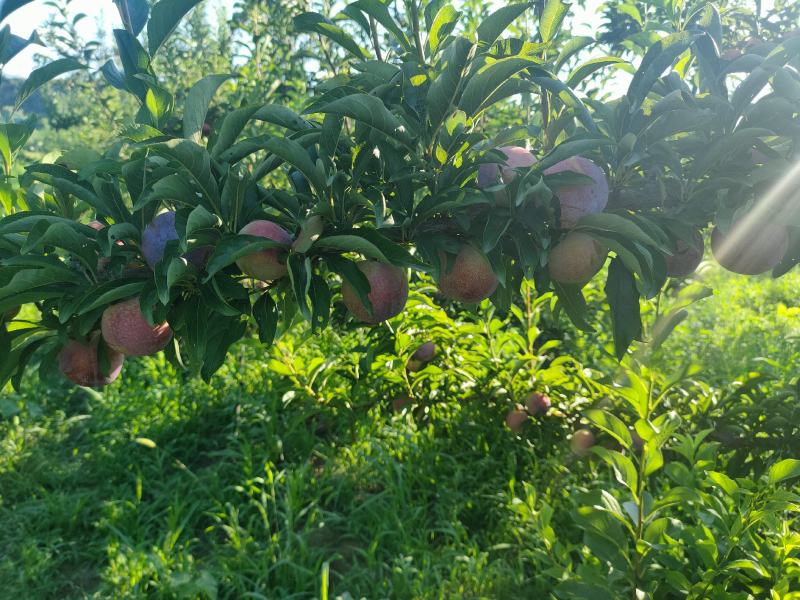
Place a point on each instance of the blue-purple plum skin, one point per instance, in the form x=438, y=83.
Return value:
x=156, y=236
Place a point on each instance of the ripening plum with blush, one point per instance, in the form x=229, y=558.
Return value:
x=491, y=174
x=421, y=357
x=582, y=442
x=577, y=201
x=576, y=258
x=126, y=330
x=686, y=256
x=537, y=403
x=79, y=361
x=265, y=265
x=469, y=278
x=750, y=249
x=516, y=419
x=388, y=292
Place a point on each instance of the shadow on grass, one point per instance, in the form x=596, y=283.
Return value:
x=233, y=492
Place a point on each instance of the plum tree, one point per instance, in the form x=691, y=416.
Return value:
x=126, y=330
x=686, y=256
x=388, y=292
x=750, y=249
x=421, y=357
x=79, y=361
x=576, y=258
x=470, y=277
x=491, y=174
x=579, y=200
x=390, y=164
x=265, y=265
x=537, y=403
x=516, y=419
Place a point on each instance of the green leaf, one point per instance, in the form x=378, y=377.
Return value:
x=490, y=77
x=570, y=48
x=658, y=59
x=605, y=223
x=282, y=116
x=652, y=458
x=165, y=16
x=138, y=12
x=443, y=92
x=380, y=12
x=623, y=299
x=42, y=75
x=9, y=6
x=493, y=26
x=108, y=293
x=350, y=243
x=200, y=219
x=588, y=67
x=197, y=102
x=394, y=253
x=611, y=424
x=294, y=154
x=721, y=480
x=748, y=89
x=630, y=10
x=568, y=97
x=624, y=469
x=665, y=325
x=552, y=18
x=15, y=45
x=312, y=22
x=192, y=163
x=782, y=470
x=320, y=296
x=33, y=285
x=443, y=23
x=571, y=300
x=370, y=111
x=266, y=314
x=135, y=62
x=299, y=268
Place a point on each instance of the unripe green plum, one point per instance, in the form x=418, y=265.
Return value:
x=388, y=292
x=265, y=265
x=750, y=250
x=577, y=201
x=126, y=330
x=470, y=277
x=576, y=258
x=537, y=403
x=686, y=258
x=79, y=362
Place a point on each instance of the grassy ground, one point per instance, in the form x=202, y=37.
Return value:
x=248, y=488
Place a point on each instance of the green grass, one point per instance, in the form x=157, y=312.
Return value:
x=166, y=487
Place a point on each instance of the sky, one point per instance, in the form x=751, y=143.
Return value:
x=102, y=15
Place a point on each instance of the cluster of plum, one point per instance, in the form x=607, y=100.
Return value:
x=465, y=277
